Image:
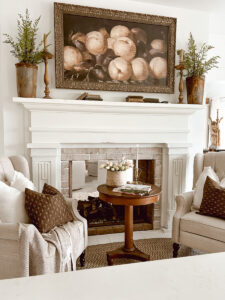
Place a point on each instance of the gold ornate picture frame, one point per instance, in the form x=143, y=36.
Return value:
x=110, y=50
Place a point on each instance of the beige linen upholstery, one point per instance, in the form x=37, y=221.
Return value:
x=191, y=229
x=10, y=263
x=184, y=203
x=20, y=164
x=6, y=170
x=210, y=227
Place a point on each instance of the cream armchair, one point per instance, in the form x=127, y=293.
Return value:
x=9, y=237
x=204, y=233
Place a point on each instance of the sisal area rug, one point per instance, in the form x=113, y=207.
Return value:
x=157, y=248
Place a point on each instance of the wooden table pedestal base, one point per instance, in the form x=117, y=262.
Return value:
x=123, y=253
x=129, y=250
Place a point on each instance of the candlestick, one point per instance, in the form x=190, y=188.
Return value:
x=180, y=68
x=181, y=55
x=47, y=55
x=45, y=41
x=137, y=157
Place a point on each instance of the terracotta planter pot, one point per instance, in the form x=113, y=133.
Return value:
x=116, y=179
x=195, y=89
x=26, y=75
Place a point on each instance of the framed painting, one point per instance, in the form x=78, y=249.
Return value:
x=102, y=49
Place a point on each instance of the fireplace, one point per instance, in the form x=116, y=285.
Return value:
x=89, y=160
x=104, y=218
x=59, y=131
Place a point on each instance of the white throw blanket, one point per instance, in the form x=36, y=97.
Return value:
x=50, y=252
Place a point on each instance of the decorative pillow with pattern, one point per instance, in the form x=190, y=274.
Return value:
x=213, y=202
x=48, y=209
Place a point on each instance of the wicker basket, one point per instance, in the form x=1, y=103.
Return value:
x=117, y=178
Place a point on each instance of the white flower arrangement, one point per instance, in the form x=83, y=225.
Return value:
x=121, y=165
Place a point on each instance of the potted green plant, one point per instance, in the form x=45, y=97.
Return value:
x=197, y=64
x=28, y=54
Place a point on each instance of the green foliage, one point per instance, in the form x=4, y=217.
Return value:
x=24, y=48
x=196, y=62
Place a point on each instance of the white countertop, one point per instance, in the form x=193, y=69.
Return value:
x=189, y=278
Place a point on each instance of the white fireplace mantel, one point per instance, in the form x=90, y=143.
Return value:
x=112, y=107
x=79, y=121
x=40, y=104
x=54, y=124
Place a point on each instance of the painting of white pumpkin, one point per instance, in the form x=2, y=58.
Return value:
x=102, y=50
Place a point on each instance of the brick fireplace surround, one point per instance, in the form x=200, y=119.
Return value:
x=58, y=131
x=94, y=154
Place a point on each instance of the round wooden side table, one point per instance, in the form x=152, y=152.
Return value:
x=128, y=250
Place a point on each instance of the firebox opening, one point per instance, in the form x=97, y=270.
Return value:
x=102, y=217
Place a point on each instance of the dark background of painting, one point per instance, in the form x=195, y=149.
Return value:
x=84, y=24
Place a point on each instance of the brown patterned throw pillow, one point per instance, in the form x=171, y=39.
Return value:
x=213, y=201
x=48, y=209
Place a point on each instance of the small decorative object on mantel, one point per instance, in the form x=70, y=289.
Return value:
x=29, y=55
x=215, y=132
x=117, y=172
x=140, y=99
x=180, y=68
x=197, y=65
x=151, y=100
x=46, y=55
x=134, y=99
x=86, y=96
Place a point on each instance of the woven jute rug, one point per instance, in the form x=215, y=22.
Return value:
x=160, y=248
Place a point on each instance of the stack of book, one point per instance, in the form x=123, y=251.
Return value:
x=134, y=189
x=151, y=100
x=134, y=99
x=86, y=96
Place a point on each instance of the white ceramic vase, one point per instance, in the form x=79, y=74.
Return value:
x=116, y=178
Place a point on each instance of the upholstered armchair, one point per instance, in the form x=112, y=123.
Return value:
x=10, y=263
x=190, y=229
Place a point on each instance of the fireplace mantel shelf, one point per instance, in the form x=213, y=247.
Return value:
x=106, y=106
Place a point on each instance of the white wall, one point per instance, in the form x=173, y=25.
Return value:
x=193, y=21
x=216, y=77
x=1, y=98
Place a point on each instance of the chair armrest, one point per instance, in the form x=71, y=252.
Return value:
x=72, y=203
x=184, y=202
x=9, y=231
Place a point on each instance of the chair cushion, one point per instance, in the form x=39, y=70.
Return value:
x=198, y=193
x=222, y=183
x=48, y=209
x=20, y=182
x=12, y=205
x=210, y=227
x=213, y=202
